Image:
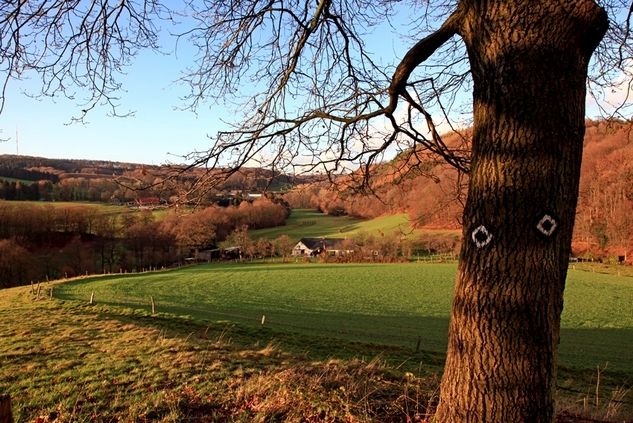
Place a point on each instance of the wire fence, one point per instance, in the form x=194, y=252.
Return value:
x=329, y=326
x=578, y=348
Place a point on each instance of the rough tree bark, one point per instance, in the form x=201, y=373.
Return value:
x=529, y=66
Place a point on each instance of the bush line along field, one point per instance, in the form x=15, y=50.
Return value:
x=301, y=223
x=48, y=241
x=391, y=304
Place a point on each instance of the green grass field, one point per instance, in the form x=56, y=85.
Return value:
x=101, y=208
x=24, y=181
x=205, y=357
x=306, y=223
x=391, y=304
x=65, y=361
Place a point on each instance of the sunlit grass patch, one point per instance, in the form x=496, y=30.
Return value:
x=197, y=360
x=73, y=362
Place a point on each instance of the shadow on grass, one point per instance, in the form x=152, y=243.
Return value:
x=322, y=333
x=589, y=348
x=317, y=347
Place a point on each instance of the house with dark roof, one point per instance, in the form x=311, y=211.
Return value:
x=330, y=246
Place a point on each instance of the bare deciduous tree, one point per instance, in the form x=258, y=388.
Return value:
x=320, y=99
x=76, y=47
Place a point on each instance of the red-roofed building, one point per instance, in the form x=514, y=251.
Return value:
x=150, y=201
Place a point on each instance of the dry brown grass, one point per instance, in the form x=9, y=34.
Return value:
x=68, y=362
x=614, y=406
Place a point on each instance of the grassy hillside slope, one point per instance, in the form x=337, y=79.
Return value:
x=390, y=304
x=97, y=208
x=305, y=223
x=67, y=361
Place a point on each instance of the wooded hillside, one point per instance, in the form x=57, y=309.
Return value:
x=425, y=187
x=25, y=178
x=431, y=192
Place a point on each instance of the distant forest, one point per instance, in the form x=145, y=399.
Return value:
x=426, y=188
x=46, y=241
x=432, y=193
x=57, y=179
x=35, y=179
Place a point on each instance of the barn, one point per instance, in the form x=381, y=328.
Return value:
x=316, y=246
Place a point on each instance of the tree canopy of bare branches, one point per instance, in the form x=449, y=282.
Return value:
x=315, y=92
x=312, y=89
x=77, y=48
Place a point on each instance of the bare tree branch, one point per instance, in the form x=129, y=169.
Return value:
x=303, y=76
x=344, y=96
x=76, y=47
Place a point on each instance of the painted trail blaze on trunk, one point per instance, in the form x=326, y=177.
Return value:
x=529, y=65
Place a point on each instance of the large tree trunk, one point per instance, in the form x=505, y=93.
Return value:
x=529, y=65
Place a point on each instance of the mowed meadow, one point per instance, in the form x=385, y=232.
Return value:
x=386, y=304
x=91, y=208
x=313, y=224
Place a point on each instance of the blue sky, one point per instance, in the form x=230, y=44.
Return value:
x=156, y=134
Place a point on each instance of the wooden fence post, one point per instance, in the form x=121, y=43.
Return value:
x=153, y=304
x=92, y=296
x=5, y=409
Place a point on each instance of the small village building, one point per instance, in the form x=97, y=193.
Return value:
x=147, y=203
x=209, y=255
x=151, y=201
x=329, y=246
